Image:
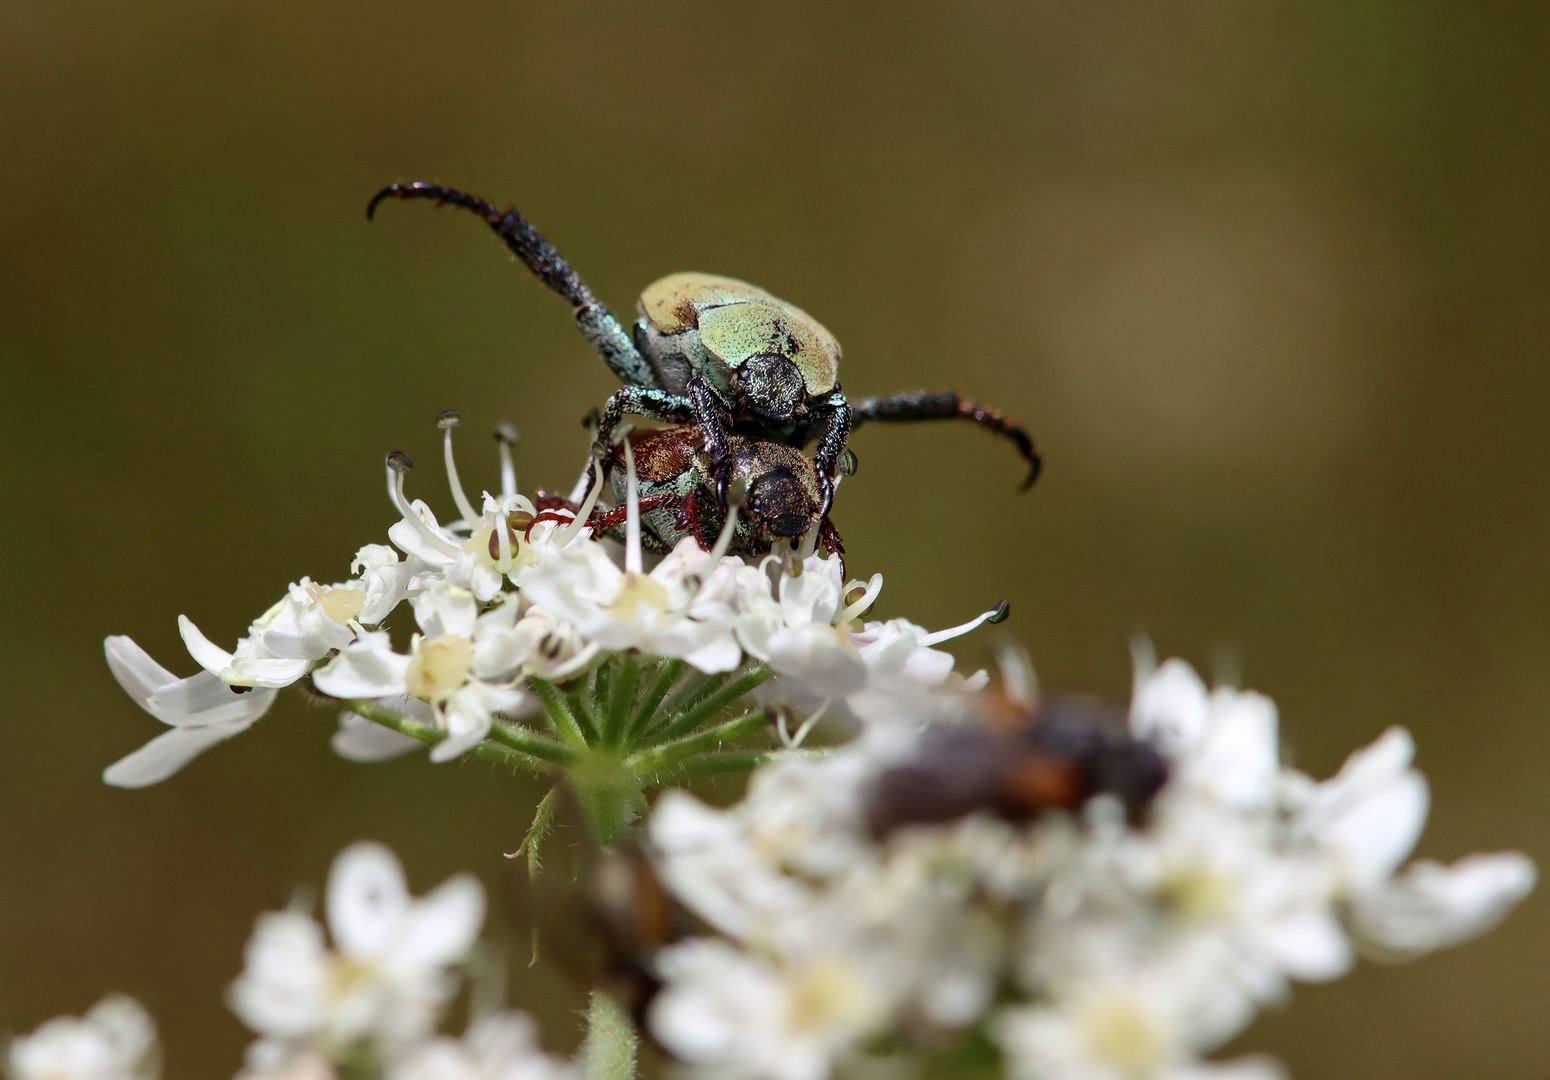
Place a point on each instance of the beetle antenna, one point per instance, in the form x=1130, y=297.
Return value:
x=536, y=253
x=921, y=405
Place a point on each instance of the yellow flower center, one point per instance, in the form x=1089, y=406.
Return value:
x=1122, y=1035
x=638, y=591
x=1196, y=893
x=439, y=667
x=825, y=995
x=342, y=605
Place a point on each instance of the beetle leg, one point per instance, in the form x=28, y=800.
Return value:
x=707, y=417
x=595, y=321
x=829, y=537
x=692, y=521
x=603, y=520
x=832, y=445
x=642, y=401
x=921, y=405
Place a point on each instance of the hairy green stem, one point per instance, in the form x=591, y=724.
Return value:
x=431, y=735
x=611, y=1040
x=666, y=676
x=581, y=709
x=531, y=743
x=660, y=757
x=625, y=682
x=714, y=764
x=563, y=721
x=710, y=705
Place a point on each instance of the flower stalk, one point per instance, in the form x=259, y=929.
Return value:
x=612, y=739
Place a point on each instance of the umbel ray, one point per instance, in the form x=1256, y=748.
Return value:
x=721, y=354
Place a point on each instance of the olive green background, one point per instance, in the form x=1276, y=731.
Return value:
x=1268, y=280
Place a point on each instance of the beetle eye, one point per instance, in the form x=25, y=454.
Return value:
x=771, y=384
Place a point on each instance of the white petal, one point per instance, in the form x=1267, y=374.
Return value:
x=134, y=669
x=206, y=654
x=442, y=926
x=358, y=739
x=466, y=729
x=1257, y=1067
x=273, y=673
x=1171, y=708
x=1374, y=833
x=166, y=754
x=198, y=698
x=367, y=896
x=369, y=668
x=1432, y=906
x=1308, y=946
x=1239, y=756
x=1390, y=755
x=446, y=609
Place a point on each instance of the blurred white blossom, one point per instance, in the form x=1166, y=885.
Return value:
x=381, y=984
x=115, y=1040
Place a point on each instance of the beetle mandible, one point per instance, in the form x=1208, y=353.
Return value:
x=721, y=354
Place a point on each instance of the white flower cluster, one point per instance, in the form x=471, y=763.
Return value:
x=1082, y=945
x=378, y=993
x=114, y=1041
x=507, y=595
x=369, y=1004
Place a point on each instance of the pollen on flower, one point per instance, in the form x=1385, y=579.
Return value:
x=638, y=591
x=342, y=605
x=825, y=995
x=1123, y=1035
x=439, y=667
x=1196, y=893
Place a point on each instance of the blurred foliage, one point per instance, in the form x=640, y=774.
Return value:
x=1270, y=281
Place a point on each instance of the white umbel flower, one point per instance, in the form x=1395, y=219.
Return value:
x=744, y=1017
x=201, y=710
x=501, y=1046
x=387, y=976
x=116, y=1040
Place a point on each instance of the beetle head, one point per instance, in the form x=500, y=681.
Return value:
x=784, y=496
x=771, y=386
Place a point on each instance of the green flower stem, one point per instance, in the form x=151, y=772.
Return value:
x=430, y=735
x=563, y=721
x=609, y=1050
x=691, y=694
x=666, y=676
x=581, y=709
x=600, y=683
x=710, y=705
x=626, y=682
x=660, y=757
x=531, y=743
x=542, y=818
x=714, y=764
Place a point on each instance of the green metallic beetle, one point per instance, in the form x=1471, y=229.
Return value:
x=722, y=354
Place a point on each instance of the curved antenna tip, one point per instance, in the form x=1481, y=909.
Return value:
x=1035, y=467
x=386, y=193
